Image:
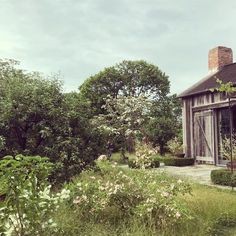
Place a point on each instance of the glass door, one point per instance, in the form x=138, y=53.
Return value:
x=223, y=121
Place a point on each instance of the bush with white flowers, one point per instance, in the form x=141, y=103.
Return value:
x=29, y=203
x=115, y=193
x=145, y=157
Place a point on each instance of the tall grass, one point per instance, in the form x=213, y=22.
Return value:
x=213, y=212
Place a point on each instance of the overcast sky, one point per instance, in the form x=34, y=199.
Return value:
x=81, y=37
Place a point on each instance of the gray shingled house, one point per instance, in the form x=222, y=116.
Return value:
x=206, y=120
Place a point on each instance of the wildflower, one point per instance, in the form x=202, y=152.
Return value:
x=177, y=215
x=65, y=194
x=165, y=194
x=77, y=200
x=179, y=181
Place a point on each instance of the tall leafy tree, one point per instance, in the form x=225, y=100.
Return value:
x=37, y=118
x=128, y=78
x=165, y=121
x=31, y=109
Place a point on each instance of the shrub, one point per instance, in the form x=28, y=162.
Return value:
x=150, y=162
x=144, y=157
x=174, y=161
x=226, y=148
x=175, y=147
x=115, y=195
x=223, y=177
x=29, y=204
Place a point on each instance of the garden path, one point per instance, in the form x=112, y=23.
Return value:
x=197, y=173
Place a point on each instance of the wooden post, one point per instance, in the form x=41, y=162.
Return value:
x=231, y=138
x=231, y=135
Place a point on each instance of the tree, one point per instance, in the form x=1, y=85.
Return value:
x=165, y=121
x=31, y=109
x=124, y=117
x=128, y=78
x=37, y=118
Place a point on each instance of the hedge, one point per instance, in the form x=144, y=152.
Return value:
x=175, y=161
x=223, y=177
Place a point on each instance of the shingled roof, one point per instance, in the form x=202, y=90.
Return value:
x=226, y=74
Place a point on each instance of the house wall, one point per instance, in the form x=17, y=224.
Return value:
x=199, y=125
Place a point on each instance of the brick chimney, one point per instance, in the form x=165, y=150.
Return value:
x=219, y=57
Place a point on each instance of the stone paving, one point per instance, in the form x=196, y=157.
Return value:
x=197, y=173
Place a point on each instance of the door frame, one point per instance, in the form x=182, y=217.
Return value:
x=211, y=148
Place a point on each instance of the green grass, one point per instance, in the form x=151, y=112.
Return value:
x=209, y=207
x=212, y=210
x=116, y=157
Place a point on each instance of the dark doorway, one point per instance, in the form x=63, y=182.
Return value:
x=223, y=124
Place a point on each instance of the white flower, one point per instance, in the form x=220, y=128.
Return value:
x=77, y=200
x=149, y=209
x=65, y=194
x=45, y=194
x=172, y=186
x=165, y=194
x=177, y=215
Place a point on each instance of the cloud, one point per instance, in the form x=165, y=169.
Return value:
x=80, y=38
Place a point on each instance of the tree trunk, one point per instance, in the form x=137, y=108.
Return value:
x=162, y=151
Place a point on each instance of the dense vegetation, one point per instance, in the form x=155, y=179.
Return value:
x=223, y=177
x=71, y=129
x=53, y=180
x=110, y=200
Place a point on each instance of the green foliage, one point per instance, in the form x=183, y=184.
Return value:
x=28, y=203
x=23, y=166
x=165, y=121
x=224, y=87
x=223, y=222
x=113, y=195
x=135, y=79
x=152, y=162
x=124, y=118
x=121, y=159
x=37, y=118
x=144, y=157
x=175, y=146
x=175, y=161
x=223, y=177
x=225, y=148
x=128, y=78
x=31, y=109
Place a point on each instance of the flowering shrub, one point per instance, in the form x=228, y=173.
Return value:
x=29, y=203
x=144, y=157
x=175, y=146
x=115, y=193
x=225, y=149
